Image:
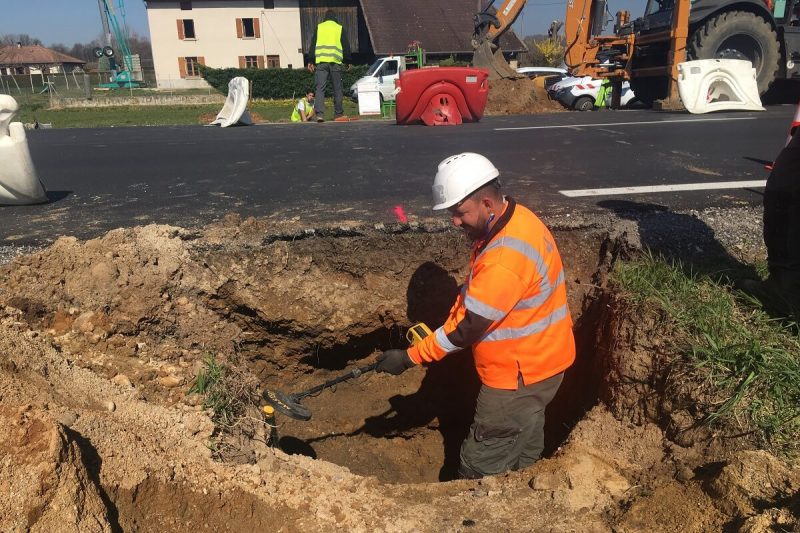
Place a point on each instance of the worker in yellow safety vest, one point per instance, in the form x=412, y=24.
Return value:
x=304, y=108
x=331, y=49
x=512, y=312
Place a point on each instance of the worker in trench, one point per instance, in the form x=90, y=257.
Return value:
x=512, y=311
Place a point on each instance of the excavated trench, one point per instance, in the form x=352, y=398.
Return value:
x=402, y=429
x=136, y=315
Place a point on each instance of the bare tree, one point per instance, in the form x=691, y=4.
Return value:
x=10, y=39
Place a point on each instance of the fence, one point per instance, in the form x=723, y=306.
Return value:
x=95, y=89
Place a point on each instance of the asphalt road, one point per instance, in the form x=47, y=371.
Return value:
x=101, y=179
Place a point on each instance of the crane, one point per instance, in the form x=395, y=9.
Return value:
x=119, y=78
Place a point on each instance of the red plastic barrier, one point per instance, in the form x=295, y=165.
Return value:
x=442, y=96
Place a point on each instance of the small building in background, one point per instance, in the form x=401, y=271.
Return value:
x=26, y=60
x=221, y=34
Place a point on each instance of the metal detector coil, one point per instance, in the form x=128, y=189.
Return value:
x=289, y=404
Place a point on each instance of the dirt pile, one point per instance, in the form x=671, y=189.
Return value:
x=518, y=97
x=100, y=342
x=45, y=484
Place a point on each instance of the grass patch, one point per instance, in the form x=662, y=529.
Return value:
x=178, y=115
x=748, y=362
x=225, y=391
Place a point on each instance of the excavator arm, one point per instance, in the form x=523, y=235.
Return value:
x=489, y=26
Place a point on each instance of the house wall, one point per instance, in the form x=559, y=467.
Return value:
x=216, y=39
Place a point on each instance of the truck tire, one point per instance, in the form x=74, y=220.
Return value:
x=739, y=35
x=650, y=89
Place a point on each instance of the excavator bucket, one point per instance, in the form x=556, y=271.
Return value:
x=493, y=61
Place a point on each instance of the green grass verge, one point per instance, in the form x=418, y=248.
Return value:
x=269, y=111
x=749, y=361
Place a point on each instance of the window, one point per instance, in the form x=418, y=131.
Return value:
x=186, y=29
x=269, y=4
x=189, y=66
x=248, y=28
x=251, y=61
x=389, y=68
x=186, y=6
x=273, y=61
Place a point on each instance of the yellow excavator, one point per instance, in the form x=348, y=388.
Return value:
x=490, y=24
x=647, y=50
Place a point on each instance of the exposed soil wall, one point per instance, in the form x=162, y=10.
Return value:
x=101, y=340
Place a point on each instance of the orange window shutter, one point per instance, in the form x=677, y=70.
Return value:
x=260, y=61
x=242, y=63
x=181, y=34
x=201, y=60
x=182, y=66
x=239, y=29
x=257, y=28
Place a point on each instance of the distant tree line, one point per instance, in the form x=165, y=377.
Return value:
x=137, y=43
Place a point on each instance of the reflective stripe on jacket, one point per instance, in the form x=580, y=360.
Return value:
x=515, y=294
x=328, y=48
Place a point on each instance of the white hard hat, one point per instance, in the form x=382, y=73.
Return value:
x=459, y=176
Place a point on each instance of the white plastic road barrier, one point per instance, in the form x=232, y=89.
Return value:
x=19, y=184
x=369, y=97
x=708, y=85
x=235, y=112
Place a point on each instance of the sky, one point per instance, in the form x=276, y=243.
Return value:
x=71, y=21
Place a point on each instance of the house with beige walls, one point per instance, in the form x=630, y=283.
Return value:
x=221, y=34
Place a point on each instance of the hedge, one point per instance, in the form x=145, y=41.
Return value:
x=276, y=82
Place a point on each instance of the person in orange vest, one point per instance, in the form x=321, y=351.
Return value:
x=512, y=312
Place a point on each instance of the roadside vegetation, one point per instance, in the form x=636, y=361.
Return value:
x=747, y=362
x=224, y=391
x=177, y=115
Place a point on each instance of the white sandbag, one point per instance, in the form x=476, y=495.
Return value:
x=708, y=85
x=19, y=183
x=235, y=112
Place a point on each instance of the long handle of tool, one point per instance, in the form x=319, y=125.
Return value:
x=356, y=372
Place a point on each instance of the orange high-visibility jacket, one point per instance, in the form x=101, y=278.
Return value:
x=513, y=307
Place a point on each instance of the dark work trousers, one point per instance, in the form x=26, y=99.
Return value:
x=508, y=430
x=321, y=72
x=782, y=218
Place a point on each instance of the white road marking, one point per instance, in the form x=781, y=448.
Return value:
x=576, y=193
x=683, y=121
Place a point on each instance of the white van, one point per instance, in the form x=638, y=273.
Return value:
x=385, y=70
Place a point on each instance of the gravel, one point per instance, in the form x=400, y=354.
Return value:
x=7, y=253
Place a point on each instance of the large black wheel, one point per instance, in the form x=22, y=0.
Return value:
x=650, y=89
x=739, y=35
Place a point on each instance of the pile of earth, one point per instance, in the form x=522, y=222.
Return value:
x=518, y=97
x=100, y=342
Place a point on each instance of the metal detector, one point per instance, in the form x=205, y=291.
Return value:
x=289, y=404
